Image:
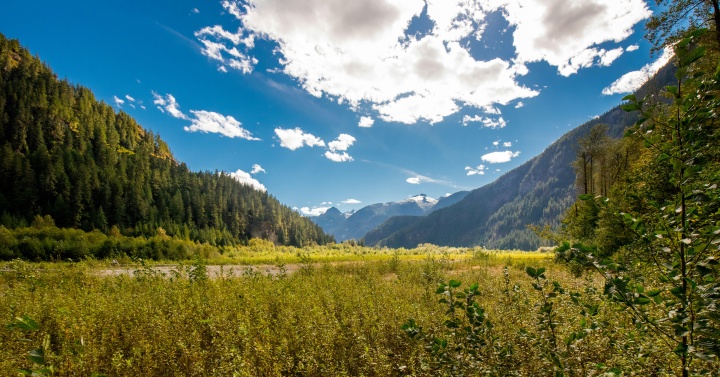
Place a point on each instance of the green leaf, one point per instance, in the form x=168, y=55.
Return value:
x=455, y=283
x=37, y=356
x=653, y=292
x=531, y=272
x=642, y=300
x=25, y=323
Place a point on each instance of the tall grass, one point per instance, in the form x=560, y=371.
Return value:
x=323, y=320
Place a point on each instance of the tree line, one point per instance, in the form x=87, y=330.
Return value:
x=69, y=156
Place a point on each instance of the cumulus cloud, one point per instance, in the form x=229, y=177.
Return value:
x=366, y=122
x=342, y=143
x=499, y=157
x=246, y=179
x=257, y=169
x=195, y=10
x=359, y=52
x=118, y=102
x=313, y=212
x=632, y=48
x=337, y=148
x=507, y=144
x=485, y=121
x=631, y=81
x=129, y=98
x=567, y=33
x=295, y=138
x=351, y=201
x=479, y=170
x=519, y=105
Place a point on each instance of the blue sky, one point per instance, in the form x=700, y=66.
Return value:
x=334, y=103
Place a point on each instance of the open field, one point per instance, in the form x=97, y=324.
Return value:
x=310, y=317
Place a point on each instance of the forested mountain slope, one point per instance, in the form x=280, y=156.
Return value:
x=497, y=215
x=64, y=154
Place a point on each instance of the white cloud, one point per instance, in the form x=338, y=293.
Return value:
x=499, y=157
x=169, y=104
x=631, y=81
x=215, y=41
x=257, y=169
x=507, y=144
x=293, y=139
x=118, y=102
x=195, y=10
x=351, y=201
x=358, y=52
x=246, y=179
x=479, y=170
x=632, y=48
x=486, y=121
x=338, y=157
x=566, y=33
x=315, y=211
x=129, y=98
x=519, y=105
x=420, y=179
x=203, y=121
x=366, y=122
x=212, y=122
x=496, y=143
x=342, y=143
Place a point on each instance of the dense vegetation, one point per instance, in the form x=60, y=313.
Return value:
x=647, y=219
x=323, y=320
x=66, y=155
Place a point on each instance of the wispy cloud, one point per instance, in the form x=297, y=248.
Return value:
x=314, y=211
x=212, y=122
x=202, y=120
x=351, y=201
x=118, y=102
x=631, y=81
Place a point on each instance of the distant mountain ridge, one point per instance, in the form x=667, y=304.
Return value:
x=498, y=214
x=355, y=225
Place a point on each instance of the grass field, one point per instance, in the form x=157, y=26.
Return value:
x=337, y=312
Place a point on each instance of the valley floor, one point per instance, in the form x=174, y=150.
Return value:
x=315, y=318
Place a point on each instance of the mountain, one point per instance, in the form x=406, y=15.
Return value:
x=365, y=219
x=497, y=215
x=69, y=156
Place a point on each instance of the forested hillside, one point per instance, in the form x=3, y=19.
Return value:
x=497, y=215
x=67, y=155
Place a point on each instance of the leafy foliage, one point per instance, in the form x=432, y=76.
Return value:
x=665, y=274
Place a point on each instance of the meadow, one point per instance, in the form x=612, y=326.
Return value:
x=340, y=311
